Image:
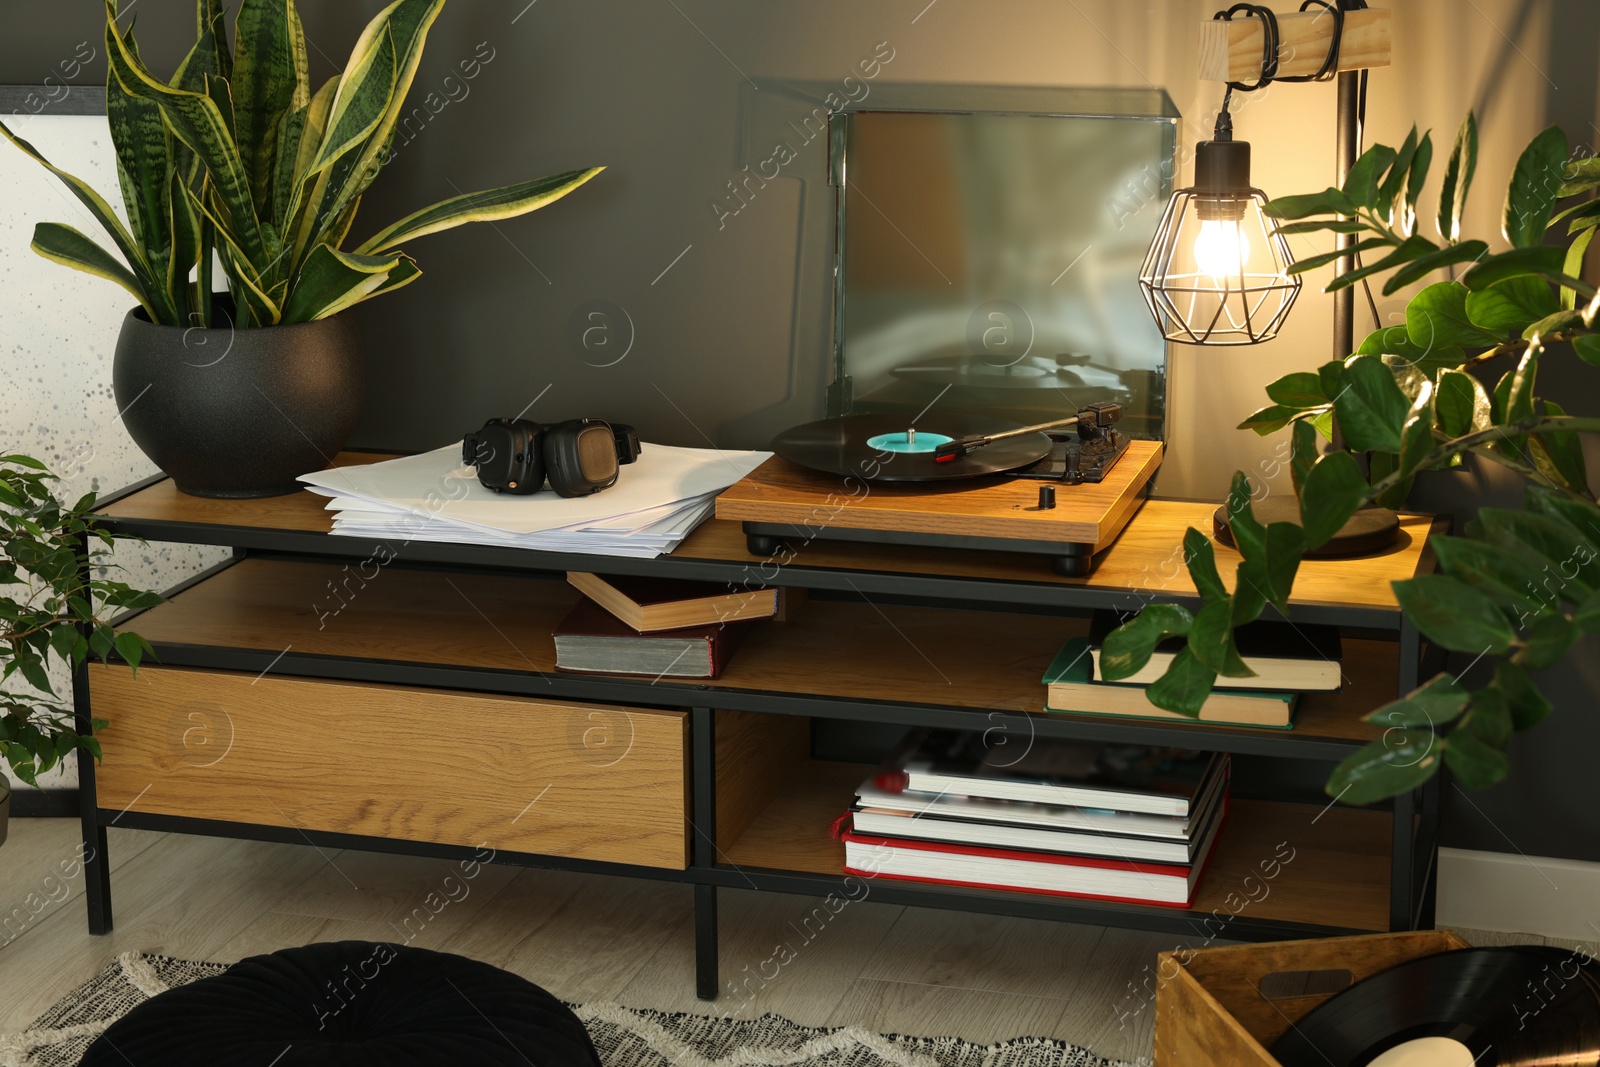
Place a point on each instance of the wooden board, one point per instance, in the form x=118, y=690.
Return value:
x=1145, y=561
x=887, y=652
x=1231, y=50
x=1209, y=1003
x=1092, y=513
x=389, y=761
x=1337, y=874
x=755, y=753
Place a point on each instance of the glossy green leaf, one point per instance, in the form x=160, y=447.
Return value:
x=1412, y=248
x=1535, y=182
x=1249, y=536
x=1398, y=763
x=1270, y=574
x=1395, y=342
x=1416, y=436
x=1128, y=648
x=1418, y=175
x=1567, y=558
x=1371, y=409
x=1211, y=641
x=1389, y=189
x=1436, y=702
x=1303, y=453
x=332, y=281
x=1458, y=179
x=1572, y=265
x=1328, y=202
x=1437, y=318
x=1417, y=269
x=269, y=79
x=1555, y=322
x=1509, y=580
x=1588, y=348
x=1454, y=615
x=1333, y=490
x=1456, y=401
x=1269, y=419
x=1475, y=763
x=1558, y=454
x=1185, y=685
x=1513, y=305
x=1297, y=229
x=1543, y=261
x=1547, y=640
x=1361, y=184
x=64, y=245
x=1301, y=389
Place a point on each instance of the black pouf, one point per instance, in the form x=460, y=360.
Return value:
x=354, y=1004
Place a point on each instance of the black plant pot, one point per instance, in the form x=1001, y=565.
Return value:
x=233, y=412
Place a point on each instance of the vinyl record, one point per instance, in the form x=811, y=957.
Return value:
x=1476, y=1007
x=887, y=448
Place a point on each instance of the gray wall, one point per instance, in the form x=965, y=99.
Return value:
x=730, y=341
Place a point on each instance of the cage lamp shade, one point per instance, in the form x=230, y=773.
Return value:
x=1216, y=273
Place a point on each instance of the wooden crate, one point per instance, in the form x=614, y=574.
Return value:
x=1209, y=1003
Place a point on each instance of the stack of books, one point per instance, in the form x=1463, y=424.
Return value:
x=1115, y=822
x=661, y=627
x=1289, y=659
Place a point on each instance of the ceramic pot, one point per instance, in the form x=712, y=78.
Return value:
x=234, y=412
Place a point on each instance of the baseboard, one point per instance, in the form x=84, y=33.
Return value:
x=1519, y=894
x=28, y=803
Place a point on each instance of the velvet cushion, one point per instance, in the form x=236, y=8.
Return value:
x=351, y=1003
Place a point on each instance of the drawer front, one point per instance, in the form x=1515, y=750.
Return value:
x=518, y=775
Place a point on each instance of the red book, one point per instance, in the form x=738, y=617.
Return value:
x=591, y=640
x=1167, y=884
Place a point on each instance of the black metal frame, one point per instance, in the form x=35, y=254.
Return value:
x=1415, y=821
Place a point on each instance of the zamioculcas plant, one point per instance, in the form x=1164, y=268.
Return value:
x=1520, y=585
x=236, y=154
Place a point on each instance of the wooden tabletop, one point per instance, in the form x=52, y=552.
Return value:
x=1146, y=561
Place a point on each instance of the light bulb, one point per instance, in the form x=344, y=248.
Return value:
x=1221, y=249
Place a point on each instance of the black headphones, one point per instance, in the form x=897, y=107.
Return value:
x=579, y=456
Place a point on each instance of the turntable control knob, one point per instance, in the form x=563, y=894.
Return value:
x=1047, y=497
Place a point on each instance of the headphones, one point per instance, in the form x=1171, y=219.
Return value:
x=579, y=457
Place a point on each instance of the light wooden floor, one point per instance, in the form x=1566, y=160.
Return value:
x=585, y=938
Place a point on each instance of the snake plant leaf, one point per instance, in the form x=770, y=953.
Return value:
x=67, y=246
x=198, y=122
x=254, y=307
x=1129, y=647
x=187, y=237
x=210, y=54
x=286, y=147
x=408, y=22
x=143, y=156
x=404, y=273
x=149, y=288
x=332, y=281
x=491, y=205
x=361, y=100
x=269, y=79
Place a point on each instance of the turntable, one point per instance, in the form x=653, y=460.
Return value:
x=958, y=481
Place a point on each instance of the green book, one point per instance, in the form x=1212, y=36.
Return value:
x=1072, y=690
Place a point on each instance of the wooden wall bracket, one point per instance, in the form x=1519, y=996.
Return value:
x=1231, y=50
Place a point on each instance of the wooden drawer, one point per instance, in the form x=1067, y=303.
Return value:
x=517, y=775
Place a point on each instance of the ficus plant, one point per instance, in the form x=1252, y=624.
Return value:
x=52, y=609
x=236, y=159
x=1518, y=586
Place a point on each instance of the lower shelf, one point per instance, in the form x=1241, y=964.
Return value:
x=1301, y=865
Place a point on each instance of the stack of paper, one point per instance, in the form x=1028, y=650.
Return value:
x=657, y=501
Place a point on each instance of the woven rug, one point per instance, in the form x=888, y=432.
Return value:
x=625, y=1037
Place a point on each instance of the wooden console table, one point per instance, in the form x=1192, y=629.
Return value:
x=401, y=697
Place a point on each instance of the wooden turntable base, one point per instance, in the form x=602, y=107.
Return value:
x=781, y=503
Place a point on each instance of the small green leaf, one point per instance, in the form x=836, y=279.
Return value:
x=1371, y=409
x=1248, y=534
x=1553, y=323
x=1475, y=763
x=1269, y=420
x=1431, y=705
x=1547, y=641
x=1566, y=557
x=1400, y=762
x=1456, y=402
x=1361, y=184
x=1417, y=269
x=1301, y=389
x=1544, y=261
x=1129, y=647
x=1412, y=248
x=1416, y=436
x=1211, y=640
x=1392, y=183
x=1328, y=202
x=1419, y=174
x=1507, y=579
x=1534, y=184
x=1512, y=305
x=1588, y=348
x=1202, y=561
x=1572, y=265
x=1303, y=453
x=1558, y=454
x=1184, y=687
x=1437, y=318
x=1453, y=614
x=1322, y=259
x=1296, y=229
x=1333, y=490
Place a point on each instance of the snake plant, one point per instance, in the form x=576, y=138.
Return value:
x=236, y=156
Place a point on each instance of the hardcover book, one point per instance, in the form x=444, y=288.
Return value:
x=1285, y=656
x=649, y=604
x=592, y=640
x=1073, y=690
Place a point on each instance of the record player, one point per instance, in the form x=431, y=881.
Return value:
x=960, y=481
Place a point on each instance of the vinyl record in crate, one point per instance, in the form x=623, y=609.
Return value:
x=1516, y=1006
x=890, y=448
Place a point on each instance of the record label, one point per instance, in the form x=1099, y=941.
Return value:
x=1426, y=1052
x=891, y=448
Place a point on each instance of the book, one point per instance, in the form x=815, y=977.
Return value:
x=1285, y=656
x=1057, y=771
x=1035, y=827
x=592, y=640
x=650, y=605
x=1073, y=690
x=1172, y=885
